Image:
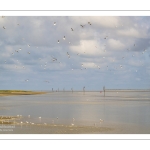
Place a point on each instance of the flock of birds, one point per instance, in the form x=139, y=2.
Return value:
x=52, y=57
x=83, y=66
x=39, y=122
x=53, y=121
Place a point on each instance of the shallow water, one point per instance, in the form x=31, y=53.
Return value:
x=116, y=109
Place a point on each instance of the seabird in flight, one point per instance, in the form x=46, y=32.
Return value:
x=82, y=25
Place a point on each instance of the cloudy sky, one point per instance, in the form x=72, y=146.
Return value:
x=41, y=53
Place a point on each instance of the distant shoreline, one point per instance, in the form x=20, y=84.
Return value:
x=106, y=90
x=24, y=92
x=18, y=92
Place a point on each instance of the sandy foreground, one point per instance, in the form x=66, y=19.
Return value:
x=53, y=129
x=12, y=125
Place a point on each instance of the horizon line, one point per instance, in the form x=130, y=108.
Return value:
x=74, y=10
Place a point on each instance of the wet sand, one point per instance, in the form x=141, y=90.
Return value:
x=56, y=129
x=12, y=125
x=117, y=100
x=63, y=129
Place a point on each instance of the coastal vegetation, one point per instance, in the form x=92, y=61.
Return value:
x=18, y=92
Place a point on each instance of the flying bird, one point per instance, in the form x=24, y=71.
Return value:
x=68, y=55
x=72, y=29
x=4, y=27
x=54, y=23
x=98, y=67
x=89, y=23
x=54, y=59
x=106, y=37
x=82, y=26
x=100, y=120
x=58, y=41
x=64, y=38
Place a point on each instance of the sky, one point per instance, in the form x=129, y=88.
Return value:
x=72, y=52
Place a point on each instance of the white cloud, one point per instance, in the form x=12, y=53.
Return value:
x=89, y=65
x=97, y=21
x=88, y=47
x=115, y=44
x=134, y=63
x=131, y=32
x=18, y=67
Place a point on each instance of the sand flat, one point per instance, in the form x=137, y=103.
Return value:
x=121, y=112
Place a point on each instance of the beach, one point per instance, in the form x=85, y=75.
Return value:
x=119, y=112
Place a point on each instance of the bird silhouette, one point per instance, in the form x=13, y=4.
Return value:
x=82, y=26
